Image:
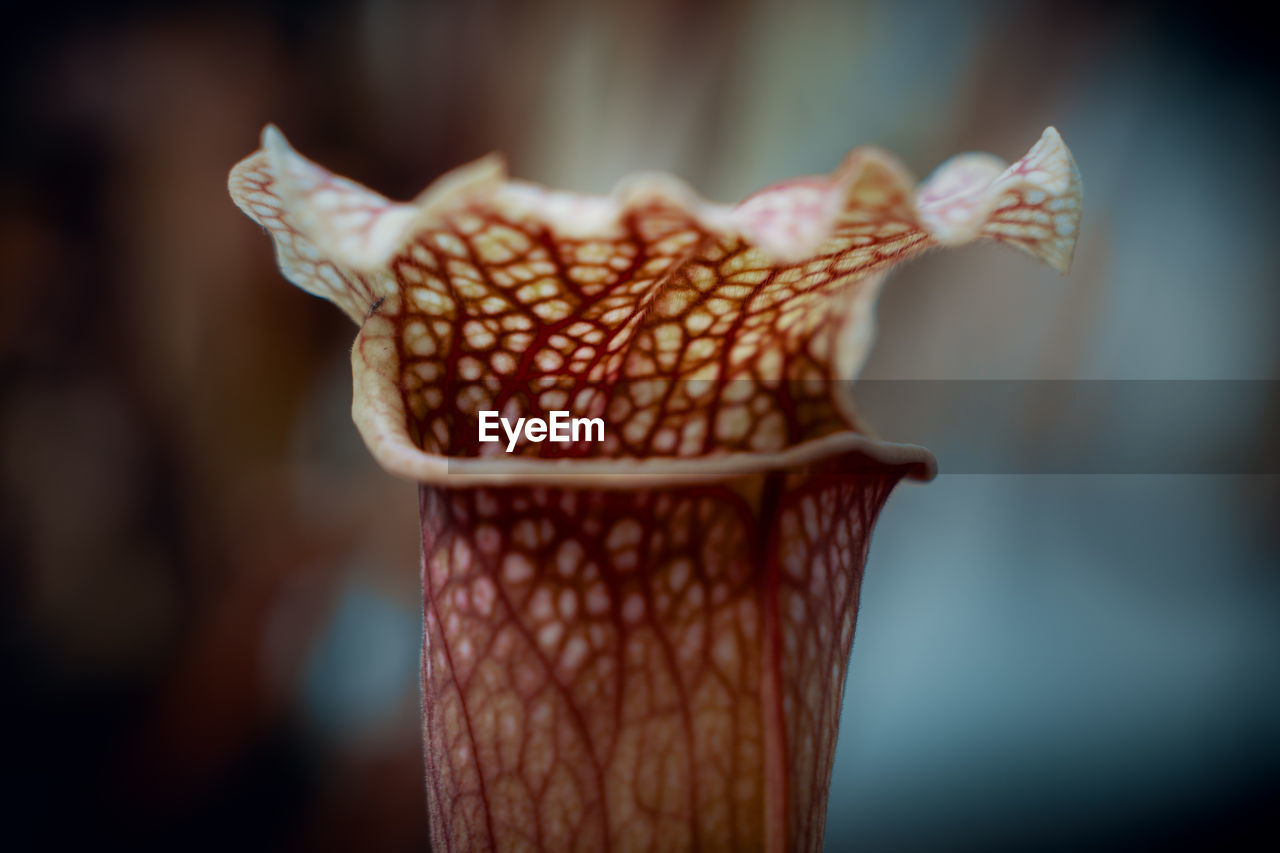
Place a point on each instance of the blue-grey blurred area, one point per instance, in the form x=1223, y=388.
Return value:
x=1086, y=426
x=210, y=598
x=1065, y=663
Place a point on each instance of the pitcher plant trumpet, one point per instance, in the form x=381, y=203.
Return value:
x=635, y=639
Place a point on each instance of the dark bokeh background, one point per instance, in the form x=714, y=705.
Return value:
x=210, y=598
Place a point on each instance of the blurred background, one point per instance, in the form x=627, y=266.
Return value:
x=210, y=607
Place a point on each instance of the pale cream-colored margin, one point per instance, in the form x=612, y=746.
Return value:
x=363, y=230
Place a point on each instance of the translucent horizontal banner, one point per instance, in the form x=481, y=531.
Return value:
x=971, y=426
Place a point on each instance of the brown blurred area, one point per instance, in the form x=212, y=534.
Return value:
x=210, y=591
